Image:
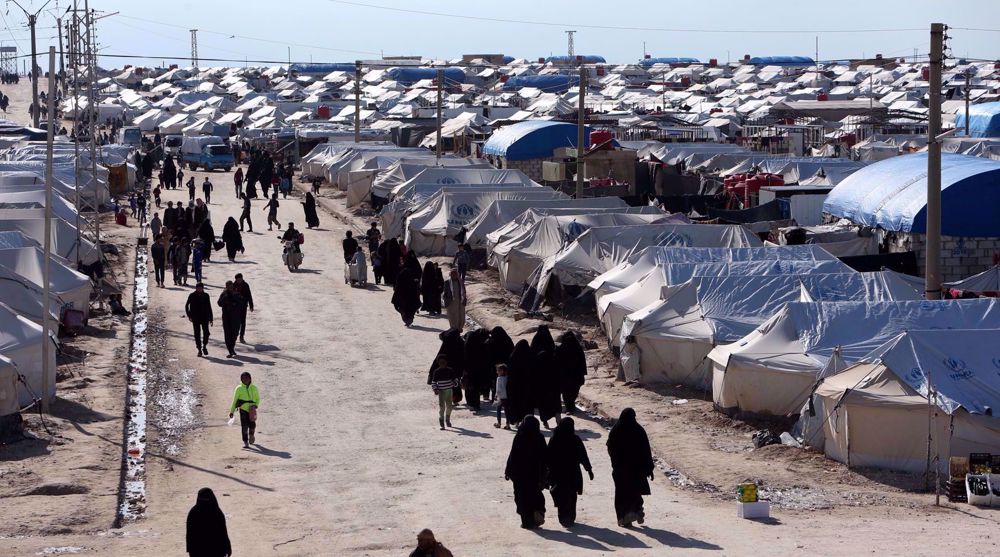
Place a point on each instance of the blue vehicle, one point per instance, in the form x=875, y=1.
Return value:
x=207, y=152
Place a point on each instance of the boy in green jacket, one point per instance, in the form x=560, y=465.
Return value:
x=247, y=399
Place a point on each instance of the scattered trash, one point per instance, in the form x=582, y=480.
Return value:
x=764, y=438
x=679, y=401
x=787, y=439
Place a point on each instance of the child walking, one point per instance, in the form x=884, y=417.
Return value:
x=443, y=381
x=501, y=394
x=247, y=399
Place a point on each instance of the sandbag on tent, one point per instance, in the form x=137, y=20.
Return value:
x=600, y=249
x=21, y=342
x=431, y=230
x=676, y=332
x=644, y=262
x=876, y=412
x=503, y=211
x=72, y=287
x=64, y=238
x=518, y=257
x=772, y=370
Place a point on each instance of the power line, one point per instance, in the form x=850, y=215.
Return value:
x=245, y=37
x=621, y=27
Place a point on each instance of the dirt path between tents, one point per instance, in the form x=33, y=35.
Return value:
x=350, y=460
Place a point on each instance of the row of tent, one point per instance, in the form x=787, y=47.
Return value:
x=22, y=261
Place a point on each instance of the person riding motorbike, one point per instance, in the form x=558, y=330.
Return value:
x=293, y=235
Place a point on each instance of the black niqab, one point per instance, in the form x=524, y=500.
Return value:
x=478, y=364
x=571, y=366
x=206, y=527
x=545, y=385
x=519, y=399
x=453, y=348
x=542, y=341
x=631, y=462
x=526, y=468
x=565, y=455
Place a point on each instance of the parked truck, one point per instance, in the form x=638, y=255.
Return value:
x=207, y=151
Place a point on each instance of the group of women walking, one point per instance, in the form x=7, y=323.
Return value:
x=413, y=288
x=537, y=374
x=533, y=466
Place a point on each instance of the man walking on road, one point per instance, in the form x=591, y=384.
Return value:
x=238, y=182
x=247, y=399
x=159, y=255
x=231, y=303
x=245, y=215
x=199, y=311
x=374, y=238
x=272, y=212
x=454, y=301
x=244, y=291
x=206, y=188
x=350, y=246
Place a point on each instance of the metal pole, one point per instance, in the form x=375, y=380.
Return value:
x=94, y=114
x=34, y=75
x=968, y=93
x=62, y=60
x=47, y=363
x=440, y=84
x=933, y=247
x=74, y=59
x=357, y=101
x=581, y=118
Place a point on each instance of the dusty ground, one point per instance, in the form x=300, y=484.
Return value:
x=350, y=460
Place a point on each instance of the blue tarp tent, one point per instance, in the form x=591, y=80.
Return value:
x=984, y=120
x=408, y=76
x=535, y=139
x=322, y=68
x=892, y=195
x=584, y=58
x=547, y=83
x=668, y=60
x=782, y=61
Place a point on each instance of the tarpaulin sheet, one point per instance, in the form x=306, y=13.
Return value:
x=892, y=194
x=534, y=139
x=986, y=281
x=769, y=211
x=984, y=120
x=410, y=75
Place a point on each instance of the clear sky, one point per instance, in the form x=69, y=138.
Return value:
x=339, y=31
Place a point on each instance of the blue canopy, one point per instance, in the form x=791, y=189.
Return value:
x=782, y=61
x=534, y=139
x=892, y=195
x=410, y=75
x=585, y=58
x=668, y=60
x=322, y=68
x=984, y=120
x=547, y=83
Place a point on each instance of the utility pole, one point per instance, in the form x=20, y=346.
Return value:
x=91, y=57
x=440, y=84
x=194, y=48
x=968, y=93
x=581, y=118
x=47, y=363
x=73, y=40
x=933, y=253
x=32, y=19
x=357, y=101
x=62, y=59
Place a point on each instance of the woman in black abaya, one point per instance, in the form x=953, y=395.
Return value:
x=452, y=348
x=232, y=237
x=565, y=455
x=309, y=207
x=499, y=346
x=406, y=295
x=631, y=466
x=519, y=401
x=478, y=367
x=545, y=386
x=571, y=367
x=389, y=253
x=430, y=289
x=206, y=528
x=526, y=469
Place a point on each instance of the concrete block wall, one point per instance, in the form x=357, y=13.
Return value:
x=531, y=167
x=961, y=257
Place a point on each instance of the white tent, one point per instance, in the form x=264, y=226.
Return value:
x=640, y=264
x=175, y=124
x=21, y=343
x=26, y=297
x=413, y=164
x=72, y=287
x=10, y=239
x=517, y=257
x=986, y=281
x=18, y=176
x=676, y=332
x=64, y=238
x=151, y=119
x=503, y=211
x=773, y=369
x=430, y=230
x=599, y=250
x=31, y=204
x=877, y=414
x=462, y=175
